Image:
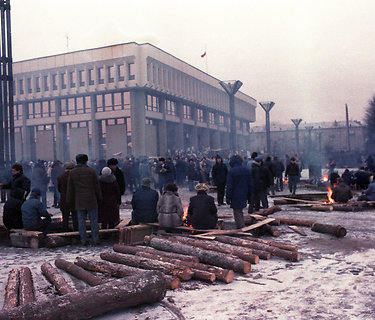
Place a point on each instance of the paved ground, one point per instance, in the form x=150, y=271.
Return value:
x=333, y=280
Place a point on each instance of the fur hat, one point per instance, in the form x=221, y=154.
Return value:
x=202, y=187
x=106, y=171
x=112, y=162
x=69, y=165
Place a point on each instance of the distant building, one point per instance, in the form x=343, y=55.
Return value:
x=324, y=137
x=126, y=99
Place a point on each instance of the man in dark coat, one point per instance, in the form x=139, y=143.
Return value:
x=56, y=171
x=293, y=173
x=191, y=174
x=202, y=212
x=279, y=169
x=84, y=194
x=260, y=178
x=66, y=210
x=144, y=203
x=362, y=178
x=341, y=192
x=180, y=171
x=117, y=172
x=19, y=189
x=239, y=188
x=219, y=177
x=165, y=174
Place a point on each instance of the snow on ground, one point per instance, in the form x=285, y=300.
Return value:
x=333, y=280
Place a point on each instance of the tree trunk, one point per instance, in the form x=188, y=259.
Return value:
x=119, y=270
x=271, y=230
x=133, y=250
x=321, y=208
x=223, y=275
x=205, y=256
x=111, y=296
x=244, y=254
x=265, y=212
x=294, y=222
x=12, y=289
x=337, y=231
x=288, y=255
x=26, y=293
x=285, y=246
x=54, y=276
x=184, y=274
x=78, y=272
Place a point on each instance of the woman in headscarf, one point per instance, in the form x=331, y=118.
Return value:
x=169, y=207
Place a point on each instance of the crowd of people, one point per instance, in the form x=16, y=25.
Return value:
x=94, y=189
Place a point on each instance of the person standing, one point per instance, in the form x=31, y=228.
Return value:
x=279, y=169
x=39, y=180
x=165, y=175
x=66, y=210
x=239, y=189
x=169, y=207
x=191, y=174
x=117, y=172
x=109, y=207
x=84, y=194
x=34, y=215
x=19, y=189
x=144, y=203
x=260, y=177
x=293, y=173
x=56, y=171
x=219, y=177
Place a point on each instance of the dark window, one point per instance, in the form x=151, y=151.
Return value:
x=45, y=83
x=20, y=86
x=37, y=84
x=81, y=77
x=62, y=81
x=121, y=72
x=71, y=79
x=110, y=74
x=91, y=77
x=100, y=75
x=28, y=85
x=54, y=81
x=131, y=71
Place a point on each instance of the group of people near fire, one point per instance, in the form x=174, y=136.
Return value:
x=94, y=189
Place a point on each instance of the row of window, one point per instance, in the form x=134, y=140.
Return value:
x=73, y=79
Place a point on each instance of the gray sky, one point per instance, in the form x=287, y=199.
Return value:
x=309, y=57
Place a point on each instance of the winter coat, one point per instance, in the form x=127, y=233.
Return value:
x=39, y=178
x=12, y=214
x=169, y=209
x=165, y=173
x=292, y=169
x=191, y=174
x=56, y=171
x=32, y=211
x=260, y=177
x=370, y=191
x=219, y=173
x=19, y=186
x=278, y=167
x=144, y=203
x=239, y=184
x=83, y=188
x=62, y=187
x=342, y=192
x=362, y=179
x=120, y=180
x=202, y=212
x=108, y=211
x=348, y=177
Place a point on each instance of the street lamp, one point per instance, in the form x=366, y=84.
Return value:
x=267, y=106
x=231, y=87
x=296, y=123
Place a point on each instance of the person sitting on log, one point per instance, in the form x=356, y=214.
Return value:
x=341, y=192
x=169, y=208
x=34, y=215
x=369, y=193
x=202, y=211
x=144, y=203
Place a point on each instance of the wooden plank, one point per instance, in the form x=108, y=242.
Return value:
x=76, y=233
x=298, y=230
x=304, y=201
x=123, y=223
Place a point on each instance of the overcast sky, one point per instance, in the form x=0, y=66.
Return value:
x=309, y=57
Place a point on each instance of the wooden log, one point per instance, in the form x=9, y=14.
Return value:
x=286, y=254
x=12, y=289
x=133, y=250
x=266, y=212
x=112, y=296
x=271, y=230
x=26, y=291
x=280, y=202
x=123, y=223
x=245, y=255
x=21, y=238
x=337, y=231
x=321, y=208
x=56, y=241
x=203, y=275
x=78, y=272
x=205, y=256
x=58, y=281
x=183, y=274
x=298, y=230
x=220, y=274
x=76, y=233
x=119, y=270
x=295, y=222
x=280, y=245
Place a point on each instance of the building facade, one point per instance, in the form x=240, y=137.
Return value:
x=127, y=99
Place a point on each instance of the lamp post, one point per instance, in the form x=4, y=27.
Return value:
x=231, y=87
x=296, y=123
x=309, y=129
x=267, y=106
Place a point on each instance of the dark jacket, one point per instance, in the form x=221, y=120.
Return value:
x=83, y=188
x=144, y=203
x=169, y=209
x=292, y=169
x=370, y=191
x=219, y=173
x=191, y=172
x=62, y=187
x=202, y=211
x=278, y=167
x=260, y=177
x=120, y=180
x=108, y=211
x=19, y=186
x=341, y=193
x=239, y=184
x=56, y=171
x=32, y=211
x=12, y=214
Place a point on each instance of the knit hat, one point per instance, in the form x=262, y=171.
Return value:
x=69, y=165
x=106, y=171
x=36, y=191
x=202, y=187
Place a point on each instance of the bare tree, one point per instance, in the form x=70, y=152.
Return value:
x=370, y=124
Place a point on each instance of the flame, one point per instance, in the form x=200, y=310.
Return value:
x=285, y=180
x=329, y=194
x=325, y=178
x=184, y=218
